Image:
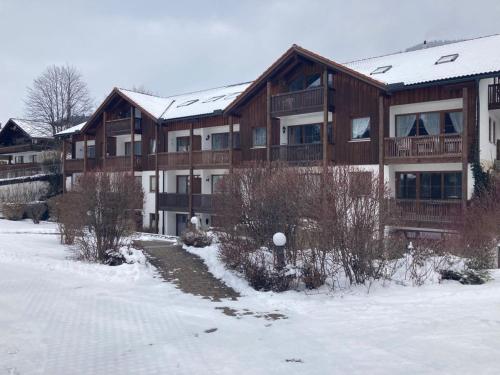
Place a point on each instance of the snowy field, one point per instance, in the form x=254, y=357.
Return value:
x=59, y=316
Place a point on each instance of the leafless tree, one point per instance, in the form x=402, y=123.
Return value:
x=59, y=96
x=143, y=90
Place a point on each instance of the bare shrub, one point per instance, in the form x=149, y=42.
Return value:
x=15, y=199
x=67, y=210
x=36, y=211
x=195, y=237
x=105, y=212
x=50, y=161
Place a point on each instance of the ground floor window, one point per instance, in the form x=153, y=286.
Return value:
x=152, y=220
x=152, y=184
x=429, y=185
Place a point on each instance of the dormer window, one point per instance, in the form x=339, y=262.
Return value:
x=447, y=58
x=189, y=102
x=213, y=99
x=381, y=69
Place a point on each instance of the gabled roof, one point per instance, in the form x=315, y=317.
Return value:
x=475, y=57
x=72, y=130
x=296, y=50
x=33, y=129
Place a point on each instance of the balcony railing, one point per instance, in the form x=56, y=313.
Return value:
x=173, y=202
x=77, y=165
x=303, y=101
x=28, y=169
x=201, y=159
x=123, y=163
x=173, y=160
x=202, y=203
x=433, y=146
x=208, y=158
x=297, y=154
x=120, y=127
x=406, y=211
x=494, y=96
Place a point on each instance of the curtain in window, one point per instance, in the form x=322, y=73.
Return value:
x=259, y=137
x=431, y=123
x=220, y=141
x=361, y=128
x=457, y=121
x=404, y=125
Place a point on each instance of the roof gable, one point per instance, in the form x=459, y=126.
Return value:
x=32, y=129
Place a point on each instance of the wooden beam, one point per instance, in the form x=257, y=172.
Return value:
x=105, y=151
x=381, y=175
x=157, y=178
x=64, y=165
x=132, y=140
x=231, y=143
x=465, y=147
x=85, y=156
x=269, y=122
x=325, y=119
x=191, y=178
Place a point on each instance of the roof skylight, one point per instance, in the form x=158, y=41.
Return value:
x=213, y=99
x=381, y=69
x=232, y=95
x=189, y=102
x=447, y=58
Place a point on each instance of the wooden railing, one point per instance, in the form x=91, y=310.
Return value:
x=432, y=146
x=118, y=127
x=22, y=148
x=303, y=101
x=173, y=202
x=425, y=211
x=28, y=169
x=202, y=203
x=494, y=96
x=123, y=163
x=303, y=153
x=173, y=160
x=76, y=165
x=207, y=158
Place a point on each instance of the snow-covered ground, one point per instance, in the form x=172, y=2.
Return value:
x=59, y=316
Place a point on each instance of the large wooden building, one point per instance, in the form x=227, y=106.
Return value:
x=418, y=119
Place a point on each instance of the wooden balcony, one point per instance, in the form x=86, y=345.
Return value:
x=27, y=169
x=494, y=96
x=414, y=149
x=303, y=101
x=173, y=202
x=119, y=127
x=211, y=158
x=298, y=154
x=173, y=160
x=21, y=148
x=201, y=159
x=408, y=212
x=202, y=203
x=122, y=163
x=76, y=165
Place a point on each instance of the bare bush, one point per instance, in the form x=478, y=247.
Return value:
x=195, y=237
x=15, y=199
x=103, y=210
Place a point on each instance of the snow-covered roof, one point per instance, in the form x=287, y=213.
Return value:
x=72, y=130
x=187, y=105
x=474, y=57
x=35, y=129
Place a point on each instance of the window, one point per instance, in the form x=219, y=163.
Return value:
x=381, y=69
x=447, y=59
x=492, y=132
x=152, y=221
x=138, y=180
x=360, y=128
x=19, y=159
x=182, y=144
x=313, y=80
x=137, y=148
x=182, y=184
x=297, y=84
x=152, y=146
x=429, y=123
x=152, y=184
x=304, y=134
x=407, y=186
x=188, y=102
x=217, y=183
x=429, y=185
x=453, y=122
x=91, y=151
x=32, y=158
x=259, y=136
x=220, y=141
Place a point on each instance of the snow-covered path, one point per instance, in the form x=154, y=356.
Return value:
x=58, y=316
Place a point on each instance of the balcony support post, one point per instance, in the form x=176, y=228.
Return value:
x=64, y=166
x=325, y=118
x=157, y=179
x=381, y=177
x=191, y=178
x=465, y=147
x=268, y=123
x=132, y=141
x=231, y=143
x=105, y=151
x=85, y=156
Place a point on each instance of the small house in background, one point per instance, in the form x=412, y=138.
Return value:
x=24, y=146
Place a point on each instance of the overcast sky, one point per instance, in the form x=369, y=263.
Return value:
x=172, y=47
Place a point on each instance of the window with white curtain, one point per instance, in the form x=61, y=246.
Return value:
x=259, y=137
x=360, y=128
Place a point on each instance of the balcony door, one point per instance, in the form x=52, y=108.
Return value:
x=183, y=184
x=182, y=143
x=181, y=221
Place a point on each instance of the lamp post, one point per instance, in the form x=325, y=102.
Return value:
x=279, y=240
